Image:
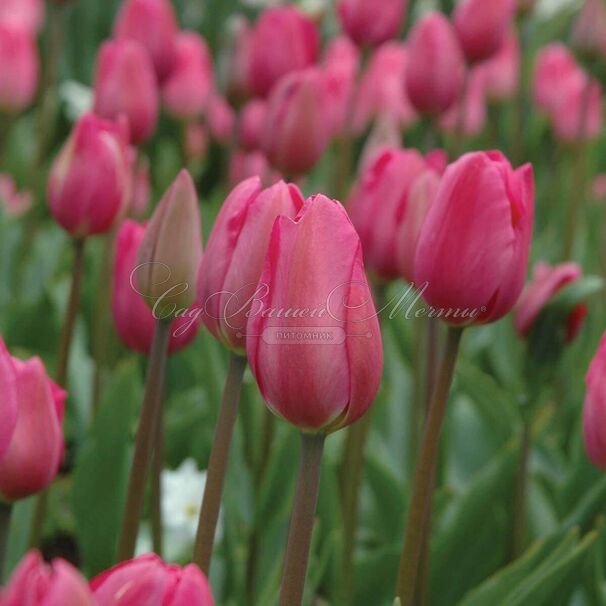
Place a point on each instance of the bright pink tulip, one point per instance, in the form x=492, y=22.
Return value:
x=594, y=410
x=502, y=70
x=436, y=69
x=546, y=282
x=221, y=119
x=474, y=106
x=297, y=128
x=589, y=30
x=482, y=26
x=314, y=343
x=9, y=402
x=125, y=84
x=371, y=23
x=19, y=67
x=378, y=204
x=36, y=583
x=15, y=203
x=23, y=13
x=235, y=253
x=283, y=40
x=187, y=88
x=89, y=183
x=152, y=23
x=148, y=581
x=251, y=124
x=472, y=253
x=243, y=165
x=133, y=319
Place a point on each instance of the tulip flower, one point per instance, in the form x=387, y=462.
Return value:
x=502, y=70
x=473, y=118
x=125, y=84
x=378, y=203
x=28, y=14
x=235, y=253
x=589, y=29
x=148, y=580
x=385, y=135
x=19, y=67
x=297, y=130
x=90, y=180
x=153, y=24
x=9, y=401
x=36, y=583
x=472, y=254
x=187, y=88
x=371, y=23
x=221, y=119
x=243, y=165
x=283, y=40
x=594, y=409
x=251, y=124
x=436, y=69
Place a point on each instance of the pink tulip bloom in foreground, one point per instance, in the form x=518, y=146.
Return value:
x=148, y=581
x=371, y=23
x=314, y=343
x=594, y=410
x=36, y=583
x=472, y=255
x=9, y=402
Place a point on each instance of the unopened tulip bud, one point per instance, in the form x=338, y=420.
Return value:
x=502, y=70
x=28, y=14
x=251, y=124
x=472, y=120
x=594, y=410
x=221, y=119
x=243, y=165
x=371, y=23
x=8, y=403
x=589, y=29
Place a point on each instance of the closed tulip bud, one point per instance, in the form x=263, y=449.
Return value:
x=371, y=23
x=594, y=410
x=153, y=24
x=133, y=319
x=19, y=67
x=148, y=580
x=502, y=71
x=472, y=253
x=89, y=182
x=482, y=26
x=474, y=106
x=187, y=88
x=9, y=401
x=378, y=203
x=235, y=253
x=251, y=124
x=297, y=131
x=436, y=69
x=221, y=119
x=589, y=29
x=295, y=35
x=243, y=165
x=171, y=250
x=125, y=84
x=28, y=14
x=36, y=583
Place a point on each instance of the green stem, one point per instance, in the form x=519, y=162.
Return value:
x=302, y=520
x=518, y=533
x=217, y=464
x=5, y=524
x=152, y=402
x=156, y=480
x=421, y=500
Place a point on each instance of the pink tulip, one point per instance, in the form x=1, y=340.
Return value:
x=472, y=253
x=594, y=410
x=589, y=29
x=36, y=583
x=243, y=165
x=153, y=24
x=15, y=203
x=598, y=187
x=148, y=581
x=378, y=203
x=283, y=40
x=187, y=88
x=482, y=26
x=221, y=119
x=19, y=67
x=251, y=124
x=314, y=343
x=28, y=14
x=436, y=69
x=9, y=402
x=89, y=183
x=437, y=160
x=297, y=131
x=384, y=136
x=371, y=23
x=546, y=282
x=125, y=84
x=502, y=70
x=473, y=120
x=235, y=253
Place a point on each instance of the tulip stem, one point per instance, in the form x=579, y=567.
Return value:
x=302, y=520
x=217, y=464
x=144, y=443
x=518, y=533
x=421, y=500
x=6, y=510
x=156, y=481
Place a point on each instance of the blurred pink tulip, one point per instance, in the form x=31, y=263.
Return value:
x=319, y=365
x=9, y=402
x=251, y=124
x=437, y=160
x=472, y=254
x=473, y=120
x=502, y=70
x=385, y=135
x=125, y=84
x=371, y=23
x=15, y=203
x=28, y=14
x=594, y=410
x=221, y=119
x=598, y=187
x=196, y=141
x=243, y=165
x=89, y=182
x=589, y=29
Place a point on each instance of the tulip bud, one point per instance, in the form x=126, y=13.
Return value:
x=235, y=253
x=472, y=253
x=482, y=26
x=153, y=24
x=133, y=319
x=589, y=29
x=378, y=203
x=502, y=70
x=474, y=107
x=221, y=119
x=436, y=69
x=148, y=580
x=243, y=165
x=28, y=14
x=283, y=40
x=36, y=583
x=371, y=23
x=9, y=402
x=89, y=183
x=125, y=84
x=187, y=88
x=313, y=341
x=19, y=67
x=251, y=124
x=171, y=250
x=594, y=410
x=297, y=130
